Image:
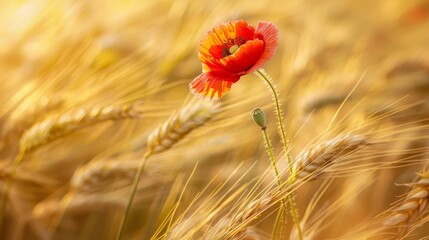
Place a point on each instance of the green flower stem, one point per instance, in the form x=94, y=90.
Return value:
x=279, y=219
x=133, y=193
x=291, y=199
x=265, y=77
x=272, y=159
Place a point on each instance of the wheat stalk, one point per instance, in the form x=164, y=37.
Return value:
x=55, y=127
x=311, y=161
x=412, y=207
x=179, y=125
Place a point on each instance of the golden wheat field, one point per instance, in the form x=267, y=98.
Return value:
x=101, y=137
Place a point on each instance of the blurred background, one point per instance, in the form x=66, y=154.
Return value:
x=84, y=83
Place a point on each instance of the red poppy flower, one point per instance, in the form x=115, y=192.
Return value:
x=230, y=51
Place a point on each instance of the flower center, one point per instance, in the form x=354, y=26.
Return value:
x=233, y=49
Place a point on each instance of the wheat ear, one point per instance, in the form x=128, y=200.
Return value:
x=412, y=207
x=179, y=125
x=91, y=176
x=311, y=161
x=104, y=176
x=23, y=118
x=77, y=204
x=55, y=127
x=235, y=226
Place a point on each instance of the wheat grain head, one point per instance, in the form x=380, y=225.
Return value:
x=78, y=204
x=24, y=116
x=311, y=161
x=235, y=226
x=108, y=175
x=412, y=207
x=90, y=176
x=54, y=127
x=179, y=125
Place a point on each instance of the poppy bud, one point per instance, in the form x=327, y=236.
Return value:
x=258, y=116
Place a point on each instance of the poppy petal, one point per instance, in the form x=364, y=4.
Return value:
x=218, y=51
x=218, y=36
x=224, y=33
x=245, y=57
x=244, y=32
x=213, y=66
x=268, y=33
x=212, y=86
